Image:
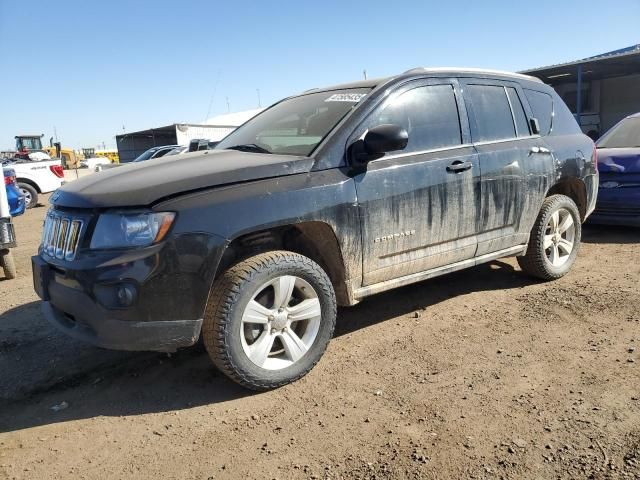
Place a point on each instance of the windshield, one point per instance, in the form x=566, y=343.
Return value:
x=146, y=155
x=624, y=135
x=31, y=143
x=297, y=125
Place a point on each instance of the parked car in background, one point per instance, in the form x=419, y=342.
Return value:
x=92, y=162
x=34, y=178
x=177, y=151
x=17, y=204
x=153, y=152
x=619, y=165
x=321, y=200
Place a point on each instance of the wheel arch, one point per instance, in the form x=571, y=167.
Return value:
x=29, y=182
x=314, y=239
x=575, y=189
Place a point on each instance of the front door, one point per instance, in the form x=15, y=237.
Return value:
x=418, y=206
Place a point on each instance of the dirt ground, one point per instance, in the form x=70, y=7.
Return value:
x=480, y=374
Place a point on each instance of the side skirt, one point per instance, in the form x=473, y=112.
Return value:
x=362, y=292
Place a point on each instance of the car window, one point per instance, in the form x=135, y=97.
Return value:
x=542, y=107
x=146, y=155
x=519, y=116
x=161, y=153
x=297, y=125
x=429, y=114
x=625, y=134
x=491, y=111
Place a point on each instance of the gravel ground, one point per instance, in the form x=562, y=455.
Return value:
x=479, y=374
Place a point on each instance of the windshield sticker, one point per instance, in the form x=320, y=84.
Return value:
x=346, y=97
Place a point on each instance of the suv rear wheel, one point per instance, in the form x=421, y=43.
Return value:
x=555, y=239
x=269, y=319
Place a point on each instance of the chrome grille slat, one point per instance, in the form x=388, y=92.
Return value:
x=61, y=235
x=61, y=241
x=72, y=240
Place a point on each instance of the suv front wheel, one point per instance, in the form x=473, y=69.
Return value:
x=555, y=239
x=269, y=319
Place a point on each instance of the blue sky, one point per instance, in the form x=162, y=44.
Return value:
x=88, y=68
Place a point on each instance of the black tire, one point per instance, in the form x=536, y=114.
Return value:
x=8, y=265
x=535, y=262
x=230, y=295
x=30, y=192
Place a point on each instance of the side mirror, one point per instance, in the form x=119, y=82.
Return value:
x=385, y=138
x=535, y=126
x=378, y=141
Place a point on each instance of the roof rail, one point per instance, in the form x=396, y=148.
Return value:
x=469, y=70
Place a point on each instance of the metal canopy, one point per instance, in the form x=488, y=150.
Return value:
x=625, y=61
x=617, y=63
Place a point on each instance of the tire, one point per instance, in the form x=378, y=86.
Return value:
x=227, y=333
x=8, y=265
x=30, y=193
x=548, y=256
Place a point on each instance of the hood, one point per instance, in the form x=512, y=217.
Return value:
x=619, y=160
x=144, y=183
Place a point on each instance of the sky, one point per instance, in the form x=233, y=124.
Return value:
x=86, y=70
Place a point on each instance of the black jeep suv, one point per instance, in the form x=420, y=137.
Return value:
x=323, y=199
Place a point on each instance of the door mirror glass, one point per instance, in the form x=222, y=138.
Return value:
x=535, y=126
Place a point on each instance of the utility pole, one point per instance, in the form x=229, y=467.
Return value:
x=55, y=133
x=364, y=73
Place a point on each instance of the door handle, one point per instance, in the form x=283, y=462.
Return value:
x=537, y=149
x=458, y=166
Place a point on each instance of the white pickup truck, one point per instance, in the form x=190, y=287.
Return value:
x=37, y=177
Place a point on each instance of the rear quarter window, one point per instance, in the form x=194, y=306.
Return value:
x=542, y=107
x=564, y=123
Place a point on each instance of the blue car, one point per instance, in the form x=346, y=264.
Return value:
x=17, y=205
x=619, y=165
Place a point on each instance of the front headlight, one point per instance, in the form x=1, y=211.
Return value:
x=117, y=230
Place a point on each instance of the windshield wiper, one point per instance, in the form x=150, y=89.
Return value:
x=249, y=147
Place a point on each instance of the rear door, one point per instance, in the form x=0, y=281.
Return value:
x=501, y=135
x=418, y=206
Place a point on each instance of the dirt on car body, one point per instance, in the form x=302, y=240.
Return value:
x=479, y=374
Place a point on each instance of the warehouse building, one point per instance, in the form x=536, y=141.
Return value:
x=132, y=144
x=599, y=90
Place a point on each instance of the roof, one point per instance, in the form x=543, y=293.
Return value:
x=439, y=71
x=624, y=61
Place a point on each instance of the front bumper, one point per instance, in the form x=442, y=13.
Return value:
x=67, y=307
x=162, y=336
x=609, y=217
x=169, y=284
x=617, y=206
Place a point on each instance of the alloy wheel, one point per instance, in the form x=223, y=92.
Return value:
x=281, y=322
x=27, y=196
x=559, y=237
